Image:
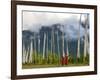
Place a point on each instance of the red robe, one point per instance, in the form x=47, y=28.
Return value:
x=64, y=60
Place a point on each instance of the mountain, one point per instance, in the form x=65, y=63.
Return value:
x=48, y=31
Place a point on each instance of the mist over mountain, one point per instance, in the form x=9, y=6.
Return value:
x=33, y=21
x=38, y=24
x=72, y=40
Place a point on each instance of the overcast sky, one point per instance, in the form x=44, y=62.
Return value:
x=34, y=20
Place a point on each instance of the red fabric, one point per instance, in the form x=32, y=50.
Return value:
x=64, y=60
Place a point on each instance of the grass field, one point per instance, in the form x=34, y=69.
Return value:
x=54, y=61
x=30, y=66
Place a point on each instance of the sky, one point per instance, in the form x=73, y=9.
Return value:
x=35, y=20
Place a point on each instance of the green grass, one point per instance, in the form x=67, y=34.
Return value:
x=53, y=60
x=29, y=66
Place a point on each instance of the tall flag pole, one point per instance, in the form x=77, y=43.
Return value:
x=44, y=42
x=86, y=37
x=23, y=54
x=31, y=50
x=58, y=45
x=78, y=47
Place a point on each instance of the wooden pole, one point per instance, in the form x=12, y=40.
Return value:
x=44, y=46
x=31, y=51
x=86, y=37
x=78, y=48
x=23, y=54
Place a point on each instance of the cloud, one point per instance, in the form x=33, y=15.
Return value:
x=35, y=20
